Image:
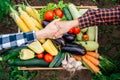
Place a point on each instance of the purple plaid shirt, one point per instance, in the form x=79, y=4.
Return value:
x=100, y=17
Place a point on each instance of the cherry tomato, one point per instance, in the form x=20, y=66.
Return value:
x=40, y=56
x=76, y=30
x=48, y=57
x=49, y=15
x=58, y=12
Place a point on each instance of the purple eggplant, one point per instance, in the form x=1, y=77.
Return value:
x=69, y=37
x=45, y=23
x=74, y=49
x=60, y=41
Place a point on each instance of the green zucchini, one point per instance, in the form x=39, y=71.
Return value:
x=73, y=10
x=91, y=33
x=67, y=13
x=28, y=63
x=11, y=53
x=56, y=58
x=82, y=11
x=83, y=30
x=79, y=36
x=60, y=60
x=89, y=45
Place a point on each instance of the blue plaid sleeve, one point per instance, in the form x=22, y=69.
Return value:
x=16, y=39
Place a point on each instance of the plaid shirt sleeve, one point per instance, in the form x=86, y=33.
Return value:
x=100, y=17
x=16, y=40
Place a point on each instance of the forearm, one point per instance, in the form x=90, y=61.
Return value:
x=16, y=40
x=100, y=17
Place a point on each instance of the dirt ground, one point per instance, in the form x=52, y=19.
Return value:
x=8, y=26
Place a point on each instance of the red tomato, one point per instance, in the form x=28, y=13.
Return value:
x=71, y=31
x=76, y=30
x=49, y=15
x=39, y=56
x=48, y=57
x=58, y=12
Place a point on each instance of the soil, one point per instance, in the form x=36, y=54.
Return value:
x=105, y=38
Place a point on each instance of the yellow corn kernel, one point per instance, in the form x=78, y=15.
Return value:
x=26, y=18
x=33, y=12
x=50, y=48
x=37, y=24
x=23, y=27
x=42, y=40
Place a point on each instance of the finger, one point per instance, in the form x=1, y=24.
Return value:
x=57, y=37
x=59, y=33
x=56, y=20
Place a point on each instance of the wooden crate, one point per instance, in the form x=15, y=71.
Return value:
x=59, y=68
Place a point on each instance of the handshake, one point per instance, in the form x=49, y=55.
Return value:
x=56, y=29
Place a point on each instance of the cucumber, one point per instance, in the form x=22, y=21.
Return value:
x=28, y=63
x=60, y=60
x=56, y=58
x=67, y=13
x=11, y=53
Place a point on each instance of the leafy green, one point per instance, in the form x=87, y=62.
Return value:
x=4, y=7
x=106, y=66
x=52, y=6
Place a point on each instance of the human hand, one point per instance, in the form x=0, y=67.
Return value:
x=49, y=31
x=65, y=26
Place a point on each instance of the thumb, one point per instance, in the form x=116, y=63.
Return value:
x=56, y=20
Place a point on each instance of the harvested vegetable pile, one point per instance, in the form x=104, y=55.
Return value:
x=74, y=51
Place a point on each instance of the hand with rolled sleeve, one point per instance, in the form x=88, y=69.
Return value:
x=91, y=18
x=23, y=38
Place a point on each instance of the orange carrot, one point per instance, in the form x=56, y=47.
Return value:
x=93, y=60
x=91, y=65
x=78, y=58
x=93, y=54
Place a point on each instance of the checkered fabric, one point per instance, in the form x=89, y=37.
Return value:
x=15, y=40
x=100, y=17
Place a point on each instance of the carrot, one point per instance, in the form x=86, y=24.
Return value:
x=93, y=54
x=91, y=65
x=78, y=58
x=93, y=60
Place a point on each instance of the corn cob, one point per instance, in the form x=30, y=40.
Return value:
x=50, y=48
x=33, y=12
x=37, y=24
x=26, y=18
x=23, y=27
x=36, y=47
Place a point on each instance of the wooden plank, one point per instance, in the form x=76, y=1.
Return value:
x=82, y=7
x=41, y=68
